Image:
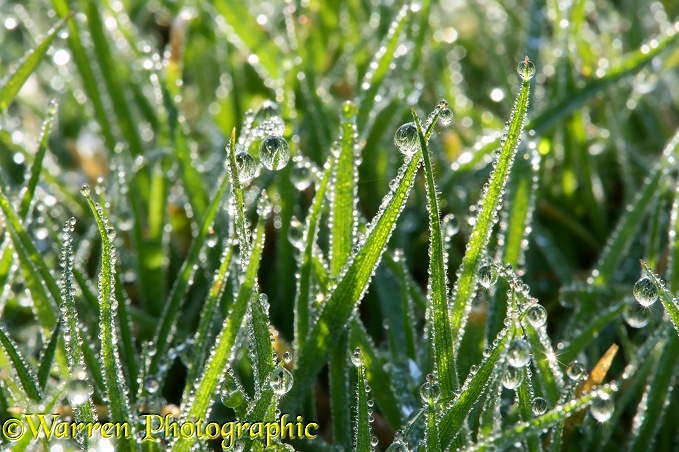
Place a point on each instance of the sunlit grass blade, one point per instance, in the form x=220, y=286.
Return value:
x=36, y=167
x=47, y=357
x=431, y=436
x=116, y=389
x=668, y=300
x=525, y=396
x=13, y=82
x=620, y=239
x=510, y=435
x=453, y=418
x=27, y=378
x=465, y=286
x=362, y=424
x=164, y=331
x=379, y=68
x=438, y=279
x=197, y=403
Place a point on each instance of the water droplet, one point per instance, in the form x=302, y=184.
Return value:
x=212, y=238
x=296, y=233
x=85, y=190
x=78, y=388
x=356, y=358
x=450, y=225
x=301, y=176
x=636, y=316
x=111, y=233
x=539, y=406
x=287, y=358
x=536, y=315
x=430, y=390
x=446, y=116
x=274, y=152
x=526, y=69
x=512, y=378
x=406, y=139
x=374, y=441
x=232, y=398
x=268, y=110
x=281, y=381
x=602, y=407
x=645, y=292
x=397, y=447
x=487, y=275
x=247, y=166
x=575, y=371
x=151, y=385
x=518, y=353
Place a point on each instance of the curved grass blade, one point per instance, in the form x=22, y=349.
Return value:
x=362, y=429
x=47, y=357
x=164, y=331
x=28, y=380
x=619, y=241
x=668, y=300
x=438, y=276
x=196, y=405
x=116, y=390
x=13, y=82
x=36, y=167
x=465, y=286
x=535, y=426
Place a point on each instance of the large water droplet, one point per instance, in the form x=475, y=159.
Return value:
x=78, y=388
x=536, y=315
x=274, y=152
x=539, y=406
x=406, y=138
x=151, y=385
x=636, y=316
x=575, y=371
x=602, y=408
x=301, y=176
x=85, y=190
x=232, y=397
x=450, y=225
x=518, y=353
x=268, y=110
x=281, y=381
x=247, y=166
x=356, y=358
x=645, y=292
x=512, y=378
x=487, y=275
x=430, y=390
x=446, y=116
x=526, y=69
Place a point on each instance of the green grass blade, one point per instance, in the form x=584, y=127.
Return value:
x=431, y=439
x=515, y=433
x=164, y=331
x=362, y=429
x=379, y=68
x=453, y=418
x=28, y=380
x=525, y=396
x=340, y=403
x=47, y=357
x=465, y=286
x=116, y=390
x=620, y=239
x=438, y=276
x=13, y=82
x=196, y=405
x=668, y=300
x=36, y=167
x=353, y=282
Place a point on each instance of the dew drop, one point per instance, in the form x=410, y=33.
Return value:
x=281, y=381
x=446, y=116
x=151, y=385
x=487, y=275
x=212, y=238
x=539, y=406
x=111, y=233
x=397, y=447
x=85, y=190
x=356, y=358
x=450, y=225
x=231, y=398
x=274, y=152
x=536, y=315
x=430, y=390
x=406, y=139
x=512, y=378
x=636, y=316
x=287, y=358
x=645, y=292
x=247, y=166
x=602, y=408
x=575, y=371
x=296, y=233
x=301, y=176
x=526, y=69
x=79, y=389
x=518, y=353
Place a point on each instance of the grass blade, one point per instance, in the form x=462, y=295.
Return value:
x=28, y=380
x=668, y=300
x=13, y=82
x=47, y=357
x=362, y=429
x=116, y=390
x=465, y=286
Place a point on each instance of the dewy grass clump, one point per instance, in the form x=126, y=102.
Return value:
x=337, y=272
